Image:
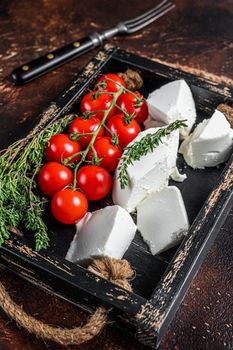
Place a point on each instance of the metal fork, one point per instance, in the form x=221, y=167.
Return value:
x=54, y=59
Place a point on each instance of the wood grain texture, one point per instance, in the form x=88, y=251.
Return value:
x=197, y=34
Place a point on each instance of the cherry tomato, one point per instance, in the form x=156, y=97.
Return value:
x=53, y=177
x=95, y=101
x=126, y=132
x=129, y=103
x=111, y=86
x=94, y=181
x=84, y=126
x=69, y=206
x=109, y=153
x=61, y=147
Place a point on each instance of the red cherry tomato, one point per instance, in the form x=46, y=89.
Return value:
x=69, y=206
x=110, y=86
x=129, y=103
x=126, y=132
x=92, y=102
x=84, y=126
x=53, y=177
x=61, y=147
x=109, y=153
x=94, y=181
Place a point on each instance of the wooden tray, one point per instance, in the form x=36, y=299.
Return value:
x=162, y=280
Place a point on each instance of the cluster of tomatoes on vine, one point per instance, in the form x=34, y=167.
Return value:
x=70, y=188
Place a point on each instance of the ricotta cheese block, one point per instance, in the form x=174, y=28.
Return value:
x=150, y=173
x=162, y=219
x=173, y=101
x=210, y=144
x=104, y=232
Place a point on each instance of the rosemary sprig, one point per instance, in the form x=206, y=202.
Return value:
x=140, y=148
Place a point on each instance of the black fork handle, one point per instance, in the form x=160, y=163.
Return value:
x=54, y=59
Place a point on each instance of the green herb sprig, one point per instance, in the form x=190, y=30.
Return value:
x=20, y=202
x=140, y=148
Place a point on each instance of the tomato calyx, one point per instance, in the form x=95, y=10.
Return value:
x=128, y=118
x=95, y=159
x=139, y=101
x=86, y=115
x=101, y=85
x=95, y=94
x=74, y=136
x=114, y=139
x=68, y=160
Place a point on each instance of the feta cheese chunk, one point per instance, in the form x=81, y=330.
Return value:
x=150, y=173
x=173, y=101
x=162, y=219
x=105, y=232
x=210, y=144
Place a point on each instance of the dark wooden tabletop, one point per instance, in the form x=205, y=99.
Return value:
x=198, y=34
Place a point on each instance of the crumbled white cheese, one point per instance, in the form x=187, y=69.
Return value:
x=105, y=232
x=173, y=101
x=162, y=219
x=210, y=144
x=177, y=176
x=150, y=173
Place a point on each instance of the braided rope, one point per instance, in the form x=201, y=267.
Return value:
x=117, y=271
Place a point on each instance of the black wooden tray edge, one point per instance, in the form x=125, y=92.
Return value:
x=170, y=72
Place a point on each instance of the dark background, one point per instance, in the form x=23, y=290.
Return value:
x=197, y=34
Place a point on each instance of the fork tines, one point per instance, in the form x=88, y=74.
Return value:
x=148, y=17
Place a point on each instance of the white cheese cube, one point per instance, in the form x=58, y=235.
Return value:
x=150, y=173
x=105, y=232
x=173, y=101
x=162, y=219
x=210, y=144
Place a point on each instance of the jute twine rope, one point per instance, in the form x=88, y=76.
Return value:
x=116, y=271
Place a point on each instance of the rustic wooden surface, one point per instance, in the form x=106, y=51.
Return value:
x=198, y=34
